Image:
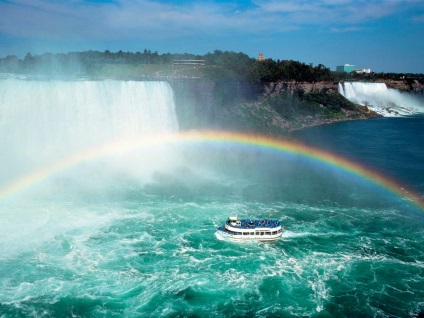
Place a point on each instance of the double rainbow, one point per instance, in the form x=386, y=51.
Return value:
x=217, y=137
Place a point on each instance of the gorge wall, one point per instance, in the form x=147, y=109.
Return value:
x=406, y=85
x=276, y=88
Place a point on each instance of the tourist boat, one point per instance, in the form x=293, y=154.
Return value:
x=250, y=230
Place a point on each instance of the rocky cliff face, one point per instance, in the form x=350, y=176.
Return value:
x=406, y=85
x=276, y=88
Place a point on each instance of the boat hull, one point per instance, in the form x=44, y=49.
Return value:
x=246, y=238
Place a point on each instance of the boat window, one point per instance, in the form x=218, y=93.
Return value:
x=275, y=232
x=279, y=231
x=252, y=233
x=262, y=233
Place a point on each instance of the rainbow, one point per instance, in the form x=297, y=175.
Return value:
x=216, y=137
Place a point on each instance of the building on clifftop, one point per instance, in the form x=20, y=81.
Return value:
x=347, y=68
x=261, y=57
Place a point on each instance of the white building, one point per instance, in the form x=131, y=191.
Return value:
x=365, y=70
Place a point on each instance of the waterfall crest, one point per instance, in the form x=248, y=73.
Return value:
x=385, y=101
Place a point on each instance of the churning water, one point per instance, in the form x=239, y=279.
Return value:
x=131, y=233
x=384, y=101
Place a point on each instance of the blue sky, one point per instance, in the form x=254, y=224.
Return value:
x=384, y=35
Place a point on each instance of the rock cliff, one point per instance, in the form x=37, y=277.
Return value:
x=292, y=86
x=405, y=85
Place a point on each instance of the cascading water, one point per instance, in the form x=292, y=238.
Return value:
x=44, y=121
x=385, y=101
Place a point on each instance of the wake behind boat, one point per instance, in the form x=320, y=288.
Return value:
x=247, y=229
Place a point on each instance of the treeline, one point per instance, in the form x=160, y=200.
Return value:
x=220, y=65
x=223, y=65
x=240, y=67
x=83, y=63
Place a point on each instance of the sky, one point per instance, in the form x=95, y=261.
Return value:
x=384, y=35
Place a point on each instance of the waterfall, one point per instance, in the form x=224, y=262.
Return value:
x=44, y=121
x=385, y=101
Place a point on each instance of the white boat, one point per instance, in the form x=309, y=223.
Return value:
x=251, y=230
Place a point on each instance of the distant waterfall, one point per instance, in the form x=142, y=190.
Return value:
x=41, y=121
x=385, y=101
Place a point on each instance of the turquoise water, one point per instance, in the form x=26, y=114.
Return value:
x=86, y=243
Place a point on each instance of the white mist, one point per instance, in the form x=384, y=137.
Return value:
x=42, y=122
x=385, y=101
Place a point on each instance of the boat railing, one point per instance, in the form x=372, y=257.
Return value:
x=247, y=224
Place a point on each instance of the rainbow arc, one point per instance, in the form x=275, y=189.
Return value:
x=217, y=137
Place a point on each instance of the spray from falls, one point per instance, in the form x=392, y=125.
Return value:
x=385, y=101
x=44, y=121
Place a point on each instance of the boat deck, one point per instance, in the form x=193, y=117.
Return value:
x=252, y=224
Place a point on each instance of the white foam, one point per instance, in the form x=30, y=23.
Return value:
x=28, y=226
x=384, y=101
